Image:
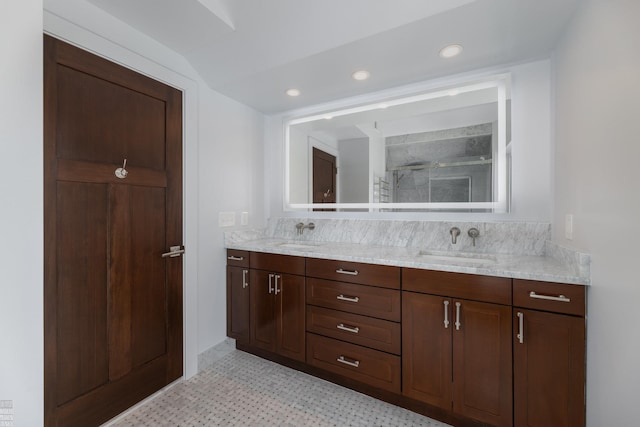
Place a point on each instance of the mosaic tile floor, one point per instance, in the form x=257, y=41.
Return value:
x=239, y=389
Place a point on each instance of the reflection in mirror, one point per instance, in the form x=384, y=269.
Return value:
x=443, y=150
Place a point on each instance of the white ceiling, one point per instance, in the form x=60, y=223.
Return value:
x=253, y=50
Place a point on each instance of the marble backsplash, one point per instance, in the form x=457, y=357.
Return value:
x=515, y=238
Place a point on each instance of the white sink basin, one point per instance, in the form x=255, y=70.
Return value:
x=306, y=245
x=466, y=258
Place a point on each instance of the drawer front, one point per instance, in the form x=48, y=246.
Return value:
x=279, y=263
x=458, y=285
x=378, y=369
x=367, y=331
x=238, y=258
x=367, y=274
x=376, y=302
x=547, y=296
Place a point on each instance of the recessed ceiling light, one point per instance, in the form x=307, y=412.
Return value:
x=454, y=92
x=327, y=117
x=361, y=75
x=382, y=106
x=451, y=51
x=293, y=92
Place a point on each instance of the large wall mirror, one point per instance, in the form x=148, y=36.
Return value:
x=445, y=149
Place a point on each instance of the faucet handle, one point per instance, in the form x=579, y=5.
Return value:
x=474, y=233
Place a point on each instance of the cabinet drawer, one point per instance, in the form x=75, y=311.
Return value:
x=367, y=331
x=458, y=285
x=275, y=262
x=370, y=301
x=237, y=258
x=378, y=369
x=547, y=296
x=367, y=274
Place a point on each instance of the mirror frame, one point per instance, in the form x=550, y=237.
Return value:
x=501, y=82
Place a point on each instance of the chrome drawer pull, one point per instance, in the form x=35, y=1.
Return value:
x=559, y=298
x=349, y=272
x=235, y=258
x=278, y=278
x=520, y=335
x=458, y=324
x=350, y=299
x=347, y=328
x=271, y=276
x=446, y=314
x=350, y=362
x=244, y=278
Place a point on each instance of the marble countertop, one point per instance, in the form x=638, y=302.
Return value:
x=543, y=268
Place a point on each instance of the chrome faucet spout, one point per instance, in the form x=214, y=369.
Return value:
x=474, y=233
x=455, y=232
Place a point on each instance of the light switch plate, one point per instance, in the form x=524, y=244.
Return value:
x=226, y=219
x=244, y=218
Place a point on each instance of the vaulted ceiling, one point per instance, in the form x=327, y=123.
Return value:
x=254, y=50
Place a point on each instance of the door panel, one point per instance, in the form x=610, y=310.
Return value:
x=113, y=305
x=482, y=362
x=82, y=288
x=426, y=348
x=291, y=318
x=238, y=304
x=263, y=322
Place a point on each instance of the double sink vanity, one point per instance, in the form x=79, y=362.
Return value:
x=465, y=336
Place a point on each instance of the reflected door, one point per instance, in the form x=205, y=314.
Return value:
x=324, y=178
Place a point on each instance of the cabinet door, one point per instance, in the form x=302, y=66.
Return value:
x=482, y=362
x=263, y=322
x=549, y=370
x=238, y=306
x=290, y=316
x=426, y=348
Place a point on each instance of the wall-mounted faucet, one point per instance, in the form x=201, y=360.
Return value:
x=300, y=227
x=474, y=233
x=455, y=232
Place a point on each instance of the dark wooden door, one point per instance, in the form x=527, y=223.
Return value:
x=263, y=322
x=238, y=304
x=482, y=362
x=324, y=177
x=426, y=348
x=290, y=305
x=549, y=370
x=113, y=304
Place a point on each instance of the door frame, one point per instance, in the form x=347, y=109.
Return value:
x=113, y=52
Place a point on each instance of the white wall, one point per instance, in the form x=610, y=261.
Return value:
x=596, y=179
x=21, y=250
x=531, y=146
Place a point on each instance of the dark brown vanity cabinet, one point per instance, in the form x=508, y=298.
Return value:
x=456, y=343
x=277, y=304
x=353, y=315
x=238, y=296
x=549, y=354
x=462, y=348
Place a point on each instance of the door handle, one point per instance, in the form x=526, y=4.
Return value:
x=174, y=251
x=271, y=276
x=520, y=334
x=277, y=276
x=446, y=314
x=244, y=278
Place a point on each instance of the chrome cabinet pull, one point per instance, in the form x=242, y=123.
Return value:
x=350, y=362
x=349, y=272
x=235, y=258
x=277, y=276
x=353, y=329
x=458, y=324
x=270, y=284
x=520, y=335
x=560, y=298
x=446, y=314
x=244, y=278
x=350, y=299
x=174, y=251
